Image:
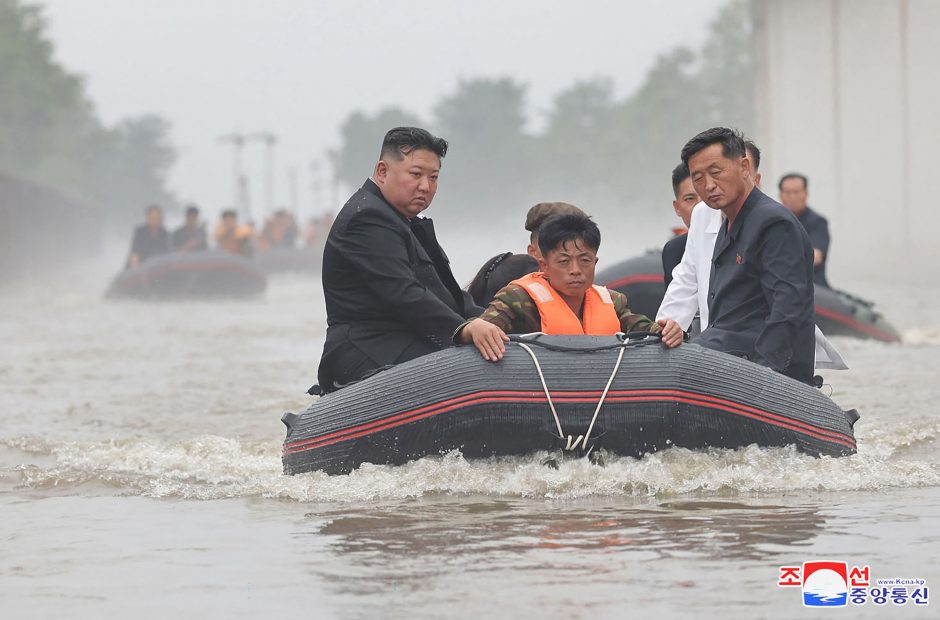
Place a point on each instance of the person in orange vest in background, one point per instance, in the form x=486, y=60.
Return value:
x=561, y=298
x=232, y=238
x=317, y=230
x=280, y=231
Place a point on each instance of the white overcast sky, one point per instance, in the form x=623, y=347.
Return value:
x=299, y=67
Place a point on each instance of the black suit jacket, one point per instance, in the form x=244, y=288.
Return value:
x=388, y=286
x=672, y=255
x=760, y=298
x=817, y=227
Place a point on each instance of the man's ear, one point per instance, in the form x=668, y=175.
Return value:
x=531, y=251
x=542, y=264
x=746, y=167
x=757, y=180
x=675, y=207
x=381, y=171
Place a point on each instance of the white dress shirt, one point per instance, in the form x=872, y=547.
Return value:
x=688, y=291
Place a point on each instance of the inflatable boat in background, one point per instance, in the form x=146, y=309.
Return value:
x=639, y=278
x=841, y=314
x=290, y=260
x=837, y=313
x=576, y=394
x=209, y=274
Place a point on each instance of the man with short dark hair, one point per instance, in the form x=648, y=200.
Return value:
x=537, y=215
x=561, y=298
x=191, y=236
x=685, y=200
x=687, y=279
x=150, y=238
x=389, y=290
x=793, y=194
x=760, y=298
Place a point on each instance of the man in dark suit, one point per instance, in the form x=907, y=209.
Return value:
x=390, y=294
x=685, y=201
x=150, y=238
x=793, y=193
x=760, y=298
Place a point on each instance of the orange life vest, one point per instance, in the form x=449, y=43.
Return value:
x=600, y=318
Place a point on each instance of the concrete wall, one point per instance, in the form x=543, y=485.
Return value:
x=847, y=93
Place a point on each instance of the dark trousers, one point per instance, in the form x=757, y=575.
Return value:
x=350, y=364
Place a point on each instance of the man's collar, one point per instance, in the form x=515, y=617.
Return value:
x=749, y=203
x=373, y=188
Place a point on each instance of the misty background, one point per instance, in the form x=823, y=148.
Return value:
x=107, y=106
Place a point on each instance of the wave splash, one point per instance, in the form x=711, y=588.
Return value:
x=214, y=467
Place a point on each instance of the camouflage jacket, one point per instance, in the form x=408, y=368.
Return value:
x=513, y=311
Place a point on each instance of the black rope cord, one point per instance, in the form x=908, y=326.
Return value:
x=630, y=339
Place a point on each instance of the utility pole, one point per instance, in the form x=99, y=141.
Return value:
x=332, y=156
x=240, y=196
x=316, y=185
x=294, y=194
x=269, y=140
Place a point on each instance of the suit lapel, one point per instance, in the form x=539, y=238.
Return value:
x=722, y=241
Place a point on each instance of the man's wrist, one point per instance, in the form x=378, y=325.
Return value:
x=459, y=332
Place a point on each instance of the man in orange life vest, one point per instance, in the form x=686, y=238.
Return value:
x=561, y=298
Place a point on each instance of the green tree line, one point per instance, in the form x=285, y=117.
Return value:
x=595, y=150
x=50, y=133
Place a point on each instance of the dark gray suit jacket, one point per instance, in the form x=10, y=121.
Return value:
x=760, y=299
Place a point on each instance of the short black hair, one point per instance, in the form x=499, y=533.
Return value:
x=731, y=141
x=402, y=141
x=793, y=175
x=229, y=213
x=679, y=174
x=565, y=227
x=753, y=152
x=192, y=210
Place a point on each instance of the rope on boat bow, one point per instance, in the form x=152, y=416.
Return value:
x=572, y=443
x=629, y=339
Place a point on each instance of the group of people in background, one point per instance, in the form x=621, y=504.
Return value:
x=280, y=230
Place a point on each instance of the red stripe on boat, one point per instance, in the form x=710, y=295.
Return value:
x=638, y=278
x=569, y=397
x=871, y=330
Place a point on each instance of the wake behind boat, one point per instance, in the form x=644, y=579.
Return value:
x=554, y=392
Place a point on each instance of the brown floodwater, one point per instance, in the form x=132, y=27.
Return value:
x=140, y=474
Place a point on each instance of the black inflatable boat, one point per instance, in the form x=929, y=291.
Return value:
x=571, y=393
x=639, y=278
x=191, y=275
x=837, y=313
